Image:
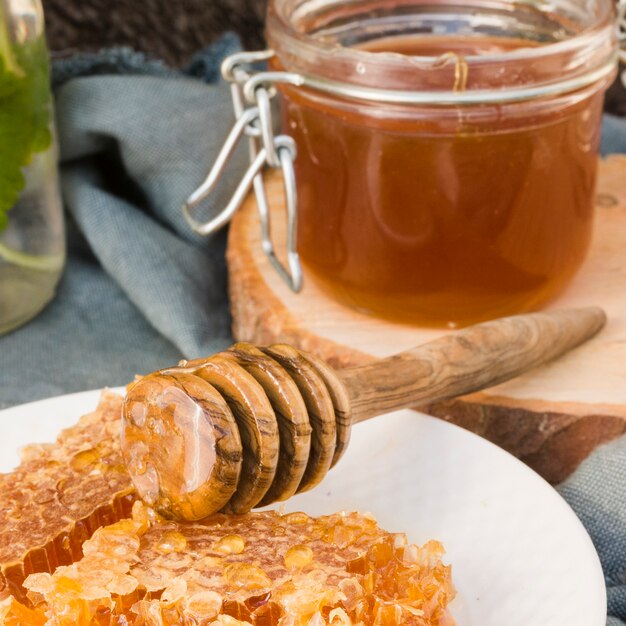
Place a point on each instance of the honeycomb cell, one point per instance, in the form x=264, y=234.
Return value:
x=278, y=570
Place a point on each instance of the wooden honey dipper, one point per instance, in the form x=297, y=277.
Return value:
x=251, y=426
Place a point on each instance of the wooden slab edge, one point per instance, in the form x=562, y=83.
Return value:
x=551, y=437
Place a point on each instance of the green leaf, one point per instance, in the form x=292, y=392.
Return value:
x=24, y=112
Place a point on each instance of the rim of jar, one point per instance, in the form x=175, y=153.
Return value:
x=585, y=57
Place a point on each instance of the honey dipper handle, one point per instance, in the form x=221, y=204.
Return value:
x=474, y=358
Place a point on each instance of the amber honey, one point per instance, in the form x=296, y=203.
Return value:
x=336, y=570
x=445, y=215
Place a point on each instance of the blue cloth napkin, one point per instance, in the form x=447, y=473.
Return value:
x=141, y=290
x=597, y=493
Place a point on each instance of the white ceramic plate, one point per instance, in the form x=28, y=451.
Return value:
x=519, y=555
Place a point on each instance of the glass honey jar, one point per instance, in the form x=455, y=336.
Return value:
x=446, y=151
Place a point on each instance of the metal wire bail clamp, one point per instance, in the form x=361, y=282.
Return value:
x=266, y=150
x=252, y=92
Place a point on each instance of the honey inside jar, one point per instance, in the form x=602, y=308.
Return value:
x=444, y=214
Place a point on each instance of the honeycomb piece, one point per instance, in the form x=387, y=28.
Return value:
x=60, y=494
x=12, y=613
x=285, y=570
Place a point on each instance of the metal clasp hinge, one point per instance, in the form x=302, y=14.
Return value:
x=254, y=121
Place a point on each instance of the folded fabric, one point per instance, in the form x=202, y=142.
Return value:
x=141, y=290
x=613, y=134
x=597, y=493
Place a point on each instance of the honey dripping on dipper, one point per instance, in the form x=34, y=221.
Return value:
x=251, y=426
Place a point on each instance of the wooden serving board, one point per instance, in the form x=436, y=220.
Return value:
x=551, y=418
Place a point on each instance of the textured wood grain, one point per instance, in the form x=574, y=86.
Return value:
x=257, y=426
x=551, y=438
x=319, y=407
x=179, y=436
x=181, y=444
x=469, y=360
x=533, y=416
x=341, y=402
x=291, y=414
